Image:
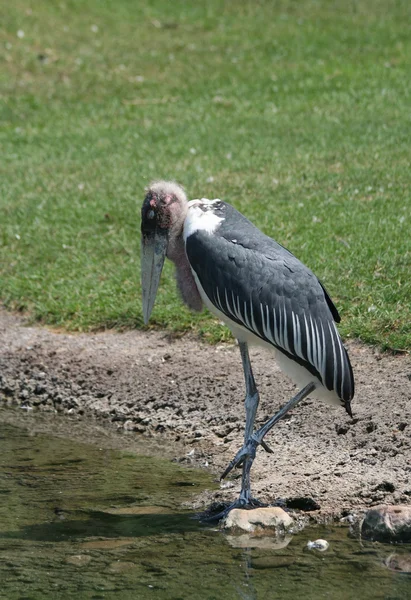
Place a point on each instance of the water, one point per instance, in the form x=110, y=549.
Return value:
x=80, y=520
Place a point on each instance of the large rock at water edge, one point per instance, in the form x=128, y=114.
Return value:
x=258, y=518
x=386, y=523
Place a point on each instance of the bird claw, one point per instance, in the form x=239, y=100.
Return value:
x=247, y=451
x=267, y=447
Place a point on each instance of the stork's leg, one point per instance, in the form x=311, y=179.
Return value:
x=246, y=455
x=251, y=402
x=252, y=399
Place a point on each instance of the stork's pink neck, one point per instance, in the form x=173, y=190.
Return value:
x=185, y=280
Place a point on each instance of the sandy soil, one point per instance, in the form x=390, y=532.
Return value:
x=191, y=396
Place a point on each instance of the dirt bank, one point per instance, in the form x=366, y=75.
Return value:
x=191, y=395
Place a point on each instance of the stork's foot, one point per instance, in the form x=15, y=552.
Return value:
x=246, y=452
x=243, y=503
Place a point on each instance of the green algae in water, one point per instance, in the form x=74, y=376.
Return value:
x=77, y=521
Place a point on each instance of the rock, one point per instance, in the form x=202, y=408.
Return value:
x=320, y=545
x=351, y=518
x=120, y=566
x=108, y=544
x=387, y=523
x=398, y=562
x=250, y=520
x=79, y=560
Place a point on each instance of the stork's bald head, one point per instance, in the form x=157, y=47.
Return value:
x=164, y=206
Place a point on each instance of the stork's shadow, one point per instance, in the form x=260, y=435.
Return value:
x=78, y=525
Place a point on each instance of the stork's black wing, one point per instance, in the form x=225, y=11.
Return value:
x=261, y=286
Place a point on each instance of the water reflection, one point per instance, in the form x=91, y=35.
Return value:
x=399, y=562
x=247, y=591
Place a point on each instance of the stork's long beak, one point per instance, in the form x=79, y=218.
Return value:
x=153, y=252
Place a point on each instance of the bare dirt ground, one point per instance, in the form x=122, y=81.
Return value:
x=190, y=396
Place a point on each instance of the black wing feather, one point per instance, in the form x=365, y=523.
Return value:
x=260, y=285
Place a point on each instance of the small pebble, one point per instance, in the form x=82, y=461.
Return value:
x=321, y=545
x=348, y=519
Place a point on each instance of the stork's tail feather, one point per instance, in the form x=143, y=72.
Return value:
x=338, y=375
x=347, y=406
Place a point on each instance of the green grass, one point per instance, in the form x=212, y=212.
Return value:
x=298, y=113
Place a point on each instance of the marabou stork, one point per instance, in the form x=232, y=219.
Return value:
x=258, y=288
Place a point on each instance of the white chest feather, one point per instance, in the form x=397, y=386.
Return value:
x=200, y=217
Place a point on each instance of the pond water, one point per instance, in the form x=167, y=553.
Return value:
x=80, y=520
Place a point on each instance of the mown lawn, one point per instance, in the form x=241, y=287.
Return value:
x=298, y=113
